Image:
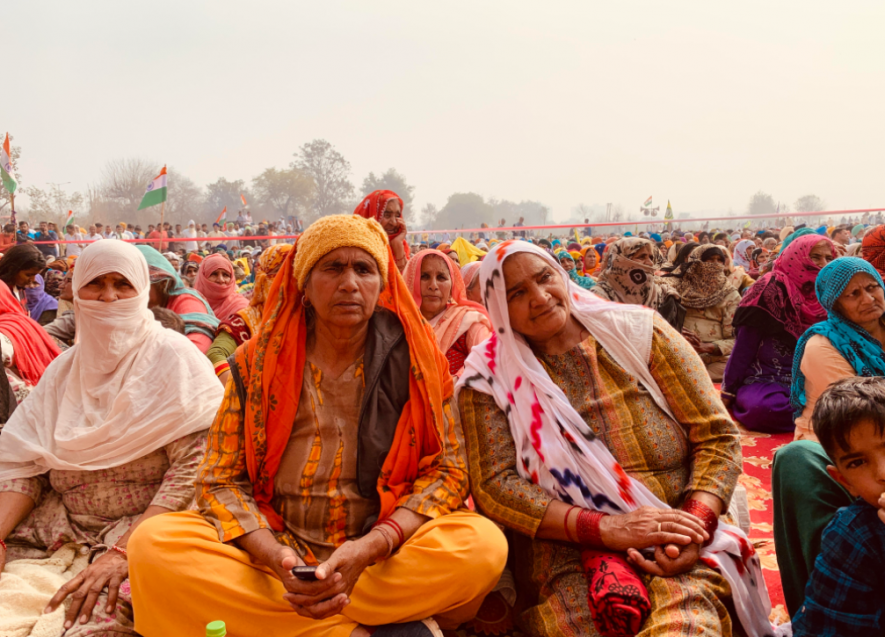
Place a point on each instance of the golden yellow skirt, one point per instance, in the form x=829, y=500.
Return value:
x=183, y=577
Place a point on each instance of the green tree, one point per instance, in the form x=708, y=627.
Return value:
x=392, y=180
x=223, y=193
x=810, y=203
x=464, y=210
x=284, y=192
x=331, y=174
x=761, y=204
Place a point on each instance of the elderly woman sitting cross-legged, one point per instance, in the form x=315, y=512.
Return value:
x=595, y=435
x=337, y=445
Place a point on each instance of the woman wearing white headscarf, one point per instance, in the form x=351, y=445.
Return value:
x=589, y=425
x=112, y=435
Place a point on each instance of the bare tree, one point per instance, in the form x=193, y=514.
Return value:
x=53, y=204
x=123, y=181
x=331, y=174
x=761, y=204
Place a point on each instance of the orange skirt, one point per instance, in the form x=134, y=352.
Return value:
x=183, y=577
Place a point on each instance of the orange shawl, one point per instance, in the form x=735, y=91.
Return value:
x=272, y=366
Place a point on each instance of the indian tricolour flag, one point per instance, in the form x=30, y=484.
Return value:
x=647, y=203
x=69, y=220
x=6, y=167
x=156, y=191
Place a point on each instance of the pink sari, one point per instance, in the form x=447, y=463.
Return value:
x=460, y=317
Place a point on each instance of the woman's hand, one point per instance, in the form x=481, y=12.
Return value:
x=336, y=578
x=108, y=571
x=664, y=565
x=650, y=526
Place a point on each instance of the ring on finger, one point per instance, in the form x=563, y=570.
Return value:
x=659, y=527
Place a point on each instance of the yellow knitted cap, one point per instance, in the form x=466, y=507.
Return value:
x=339, y=231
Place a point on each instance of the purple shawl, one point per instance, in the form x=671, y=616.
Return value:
x=39, y=301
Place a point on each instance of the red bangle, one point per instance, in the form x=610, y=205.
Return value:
x=589, y=533
x=3, y=544
x=120, y=550
x=396, y=528
x=705, y=514
x=568, y=534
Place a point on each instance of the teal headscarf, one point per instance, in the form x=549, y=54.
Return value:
x=585, y=282
x=201, y=322
x=856, y=345
x=799, y=233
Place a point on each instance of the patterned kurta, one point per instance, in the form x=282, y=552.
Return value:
x=700, y=451
x=224, y=490
x=97, y=508
x=315, y=489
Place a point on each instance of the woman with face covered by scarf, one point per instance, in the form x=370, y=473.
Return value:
x=710, y=302
x=774, y=313
x=113, y=436
x=215, y=281
x=41, y=306
x=628, y=276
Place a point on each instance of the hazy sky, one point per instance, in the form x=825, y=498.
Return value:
x=703, y=103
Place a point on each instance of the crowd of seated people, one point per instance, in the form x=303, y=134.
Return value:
x=361, y=434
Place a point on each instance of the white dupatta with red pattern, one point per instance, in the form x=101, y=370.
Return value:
x=559, y=452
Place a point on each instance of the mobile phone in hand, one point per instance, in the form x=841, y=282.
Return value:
x=305, y=573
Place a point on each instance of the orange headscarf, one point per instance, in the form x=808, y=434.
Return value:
x=272, y=367
x=375, y=203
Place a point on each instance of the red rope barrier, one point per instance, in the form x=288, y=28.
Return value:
x=565, y=227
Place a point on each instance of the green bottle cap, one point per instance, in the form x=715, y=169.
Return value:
x=216, y=629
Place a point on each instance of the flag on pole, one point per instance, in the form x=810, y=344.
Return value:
x=669, y=213
x=6, y=167
x=156, y=191
x=647, y=203
x=69, y=219
x=222, y=216
x=243, y=197
x=747, y=224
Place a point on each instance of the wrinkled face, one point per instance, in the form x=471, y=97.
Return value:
x=220, y=276
x=436, y=286
x=107, y=288
x=537, y=297
x=343, y=288
x=391, y=216
x=567, y=264
x=644, y=256
x=861, y=467
x=862, y=301
x=454, y=257
x=27, y=278
x=67, y=287
x=821, y=254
